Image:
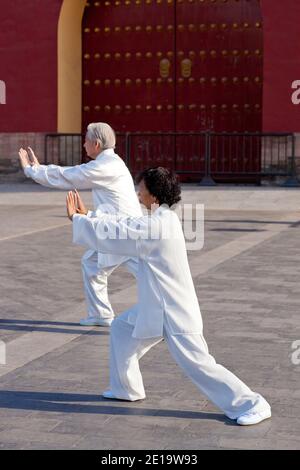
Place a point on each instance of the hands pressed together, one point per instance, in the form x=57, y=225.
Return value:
x=28, y=158
x=75, y=205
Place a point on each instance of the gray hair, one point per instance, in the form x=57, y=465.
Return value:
x=103, y=134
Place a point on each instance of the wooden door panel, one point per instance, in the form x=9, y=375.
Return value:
x=160, y=66
x=125, y=81
x=219, y=77
x=221, y=43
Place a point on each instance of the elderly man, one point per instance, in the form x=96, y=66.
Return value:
x=167, y=302
x=113, y=191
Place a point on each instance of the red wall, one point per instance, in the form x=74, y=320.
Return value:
x=28, y=64
x=281, y=64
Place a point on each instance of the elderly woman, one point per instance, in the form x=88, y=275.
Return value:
x=113, y=190
x=167, y=302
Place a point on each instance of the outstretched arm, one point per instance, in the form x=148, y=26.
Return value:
x=105, y=234
x=54, y=176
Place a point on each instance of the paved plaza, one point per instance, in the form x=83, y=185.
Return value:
x=247, y=279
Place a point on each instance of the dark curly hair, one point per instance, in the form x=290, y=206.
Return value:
x=162, y=184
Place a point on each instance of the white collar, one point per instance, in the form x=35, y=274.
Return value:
x=106, y=152
x=161, y=209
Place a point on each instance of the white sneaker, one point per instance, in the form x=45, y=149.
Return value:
x=92, y=321
x=253, y=417
x=108, y=394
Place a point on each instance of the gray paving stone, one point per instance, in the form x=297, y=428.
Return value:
x=250, y=305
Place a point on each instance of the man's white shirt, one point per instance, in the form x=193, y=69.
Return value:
x=107, y=176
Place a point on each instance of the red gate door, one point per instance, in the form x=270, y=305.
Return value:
x=159, y=66
x=128, y=72
x=219, y=78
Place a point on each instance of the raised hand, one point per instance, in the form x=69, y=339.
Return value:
x=24, y=158
x=33, y=158
x=71, y=205
x=81, y=209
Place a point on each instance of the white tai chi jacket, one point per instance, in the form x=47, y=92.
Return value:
x=165, y=286
x=107, y=176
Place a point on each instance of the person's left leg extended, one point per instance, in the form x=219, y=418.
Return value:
x=220, y=385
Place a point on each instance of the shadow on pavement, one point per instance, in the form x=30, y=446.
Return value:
x=35, y=325
x=74, y=403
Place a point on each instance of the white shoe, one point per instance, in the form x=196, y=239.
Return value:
x=93, y=321
x=253, y=417
x=108, y=394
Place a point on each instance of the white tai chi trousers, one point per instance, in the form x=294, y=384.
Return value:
x=190, y=352
x=95, y=277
